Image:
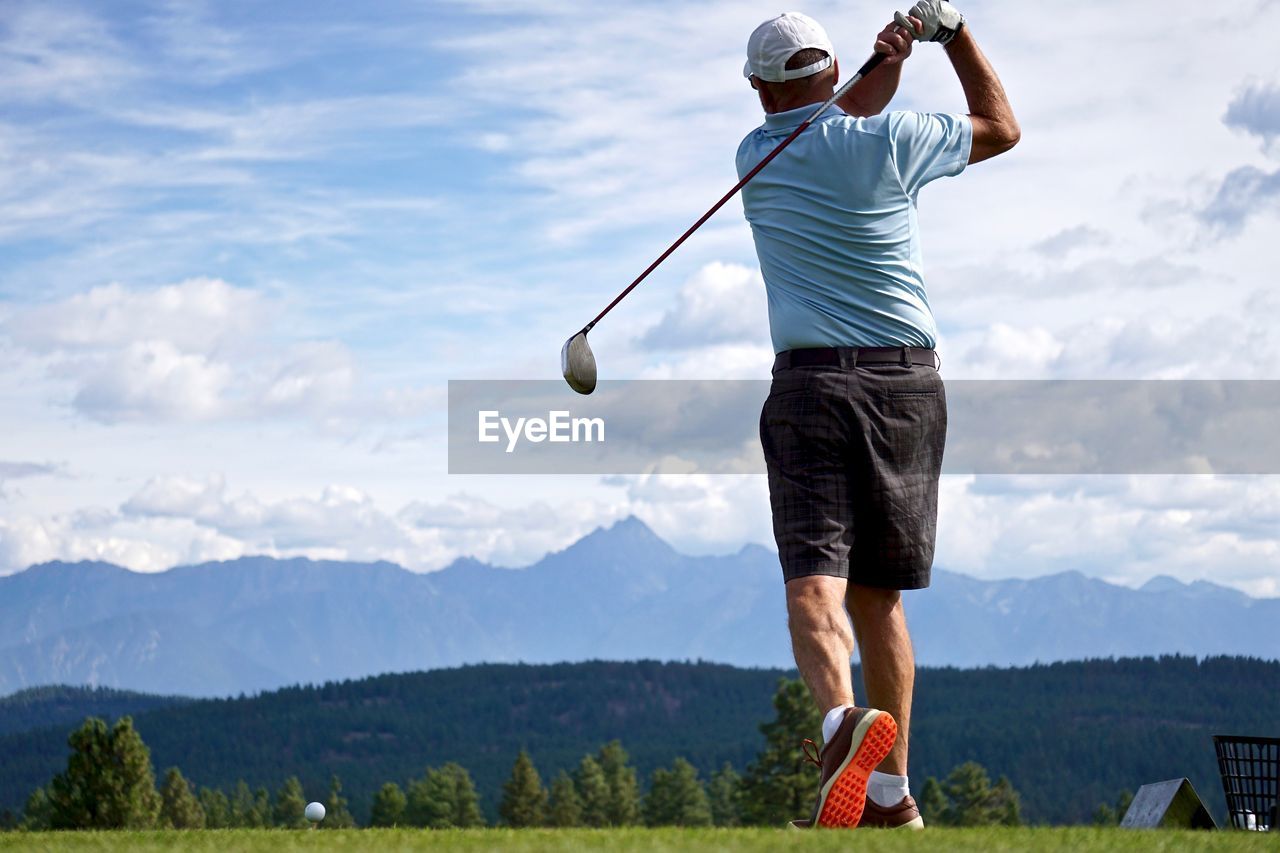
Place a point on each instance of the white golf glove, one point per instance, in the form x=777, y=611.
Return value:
x=941, y=20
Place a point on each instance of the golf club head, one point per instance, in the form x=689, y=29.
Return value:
x=578, y=364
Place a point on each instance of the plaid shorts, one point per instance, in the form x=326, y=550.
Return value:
x=854, y=455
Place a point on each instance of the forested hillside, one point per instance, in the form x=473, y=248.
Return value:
x=1069, y=736
x=39, y=707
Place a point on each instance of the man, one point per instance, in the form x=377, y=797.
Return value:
x=855, y=422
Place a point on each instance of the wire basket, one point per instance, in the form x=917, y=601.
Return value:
x=1250, y=768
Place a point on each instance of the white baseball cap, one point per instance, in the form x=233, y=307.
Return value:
x=777, y=40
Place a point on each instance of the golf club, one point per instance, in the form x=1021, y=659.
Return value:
x=576, y=359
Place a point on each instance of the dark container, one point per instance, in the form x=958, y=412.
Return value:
x=1250, y=768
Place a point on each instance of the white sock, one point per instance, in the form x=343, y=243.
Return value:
x=887, y=790
x=832, y=721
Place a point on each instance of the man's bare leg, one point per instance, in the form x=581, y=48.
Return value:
x=888, y=662
x=821, y=638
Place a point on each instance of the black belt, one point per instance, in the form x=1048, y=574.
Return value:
x=853, y=356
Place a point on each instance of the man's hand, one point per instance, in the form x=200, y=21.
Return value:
x=895, y=41
x=940, y=21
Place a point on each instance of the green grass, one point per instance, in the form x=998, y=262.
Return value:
x=982, y=840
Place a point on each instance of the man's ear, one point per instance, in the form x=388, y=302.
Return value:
x=835, y=66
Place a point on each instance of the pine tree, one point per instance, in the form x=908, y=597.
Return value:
x=445, y=797
x=565, y=807
x=934, y=807
x=968, y=788
x=1105, y=815
x=624, y=788
x=241, y=807
x=677, y=798
x=1126, y=799
x=216, y=807
x=967, y=798
x=262, y=813
x=337, y=814
x=593, y=791
x=108, y=783
x=179, y=808
x=780, y=785
x=1004, y=806
x=466, y=802
x=429, y=801
x=388, y=806
x=725, y=795
x=249, y=810
x=37, y=815
x=524, y=799
x=291, y=805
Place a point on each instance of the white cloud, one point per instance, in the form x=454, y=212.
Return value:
x=700, y=514
x=150, y=381
x=101, y=535
x=201, y=48
x=345, y=523
x=159, y=354
x=196, y=315
x=200, y=350
x=17, y=470
x=11, y=472
x=465, y=525
x=1165, y=345
x=1124, y=529
x=721, y=303
x=1245, y=192
x=1072, y=239
x=55, y=52
x=1221, y=529
x=1032, y=349
x=293, y=522
x=315, y=377
x=181, y=519
x=1256, y=109
x=339, y=515
x=178, y=497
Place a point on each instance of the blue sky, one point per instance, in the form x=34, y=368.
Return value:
x=244, y=246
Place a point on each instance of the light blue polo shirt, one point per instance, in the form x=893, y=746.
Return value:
x=834, y=222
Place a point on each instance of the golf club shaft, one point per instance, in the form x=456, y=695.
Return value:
x=867, y=67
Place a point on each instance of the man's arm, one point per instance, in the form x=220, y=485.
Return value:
x=870, y=95
x=995, y=130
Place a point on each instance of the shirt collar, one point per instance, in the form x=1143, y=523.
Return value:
x=791, y=119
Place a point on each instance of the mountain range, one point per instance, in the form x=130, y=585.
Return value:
x=620, y=593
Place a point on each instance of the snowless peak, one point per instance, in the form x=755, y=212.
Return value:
x=1163, y=583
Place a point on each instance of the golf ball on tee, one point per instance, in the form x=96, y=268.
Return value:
x=315, y=812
